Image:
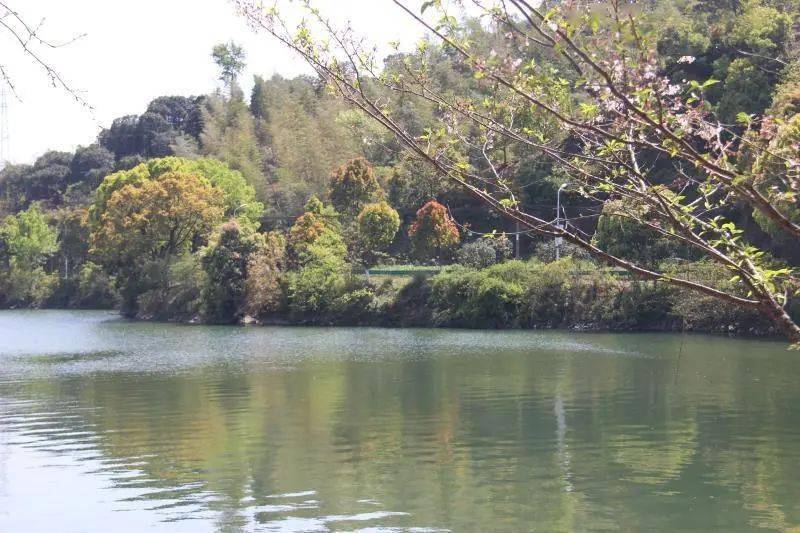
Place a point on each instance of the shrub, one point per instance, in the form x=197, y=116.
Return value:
x=485, y=252
x=468, y=298
x=356, y=306
x=566, y=293
x=94, y=289
x=411, y=305
x=170, y=289
x=705, y=313
x=313, y=289
x=546, y=251
x=547, y=294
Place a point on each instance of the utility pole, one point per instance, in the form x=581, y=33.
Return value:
x=559, y=240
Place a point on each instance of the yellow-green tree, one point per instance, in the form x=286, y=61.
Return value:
x=238, y=197
x=156, y=219
x=377, y=226
x=143, y=226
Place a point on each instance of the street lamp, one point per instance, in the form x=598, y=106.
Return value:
x=237, y=209
x=559, y=239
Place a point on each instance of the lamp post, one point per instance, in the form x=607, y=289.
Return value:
x=559, y=239
x=237, y=209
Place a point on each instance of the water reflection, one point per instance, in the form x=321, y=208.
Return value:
x=270, y=429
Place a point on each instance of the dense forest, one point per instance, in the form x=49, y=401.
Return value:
x=278, y=206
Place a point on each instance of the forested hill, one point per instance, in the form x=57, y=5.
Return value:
x=228, y=205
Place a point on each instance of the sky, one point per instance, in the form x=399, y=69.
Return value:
x=134, y=51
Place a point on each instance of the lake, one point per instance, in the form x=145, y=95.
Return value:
x=110, y=425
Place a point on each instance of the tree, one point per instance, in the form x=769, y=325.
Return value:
x=303, y=136
x=229, y=57
x=73, y=238
x=433, y=233
x=28, y=238
x=157, y=218
x=122, y=138
x=263, y=288
x=377, y=226
x=169, y=124
x=45, y=181
x=317, y=250
x=225, y=263
x=318, y=221
x=229, y=135
x=27, y=242
x=90, y=165
x=620, y=234
x=353, y=186
x=143, y=225
x=239, y=198
x=314, y=288
x=412, y=184
x=617, y=115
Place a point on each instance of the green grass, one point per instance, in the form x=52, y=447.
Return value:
x=404, y=270
x=400, y=275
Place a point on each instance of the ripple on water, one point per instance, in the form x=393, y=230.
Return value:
x=309, y=429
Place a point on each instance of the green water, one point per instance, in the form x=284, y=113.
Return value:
x=107, y=425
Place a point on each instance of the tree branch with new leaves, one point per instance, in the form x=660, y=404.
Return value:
x=603, y=124
x=29, y=40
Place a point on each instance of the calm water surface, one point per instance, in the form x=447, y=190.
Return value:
x=107, y=425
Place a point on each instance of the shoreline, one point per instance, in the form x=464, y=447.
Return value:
x=249, y=322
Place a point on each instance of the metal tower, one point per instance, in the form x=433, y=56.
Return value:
x=5, y=140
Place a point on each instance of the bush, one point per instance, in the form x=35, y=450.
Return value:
x=94, y=289
x=566, y=293
x=357, y=306
x=485, y=252
x=314, y=288
x=411, y=305
x=577, y=294
x=474, y=299
x=546, y=294
x=705, y=313
x=170, y=289
x=546, y=251
x=26, y=286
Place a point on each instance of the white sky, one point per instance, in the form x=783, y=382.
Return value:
x=137, y=50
